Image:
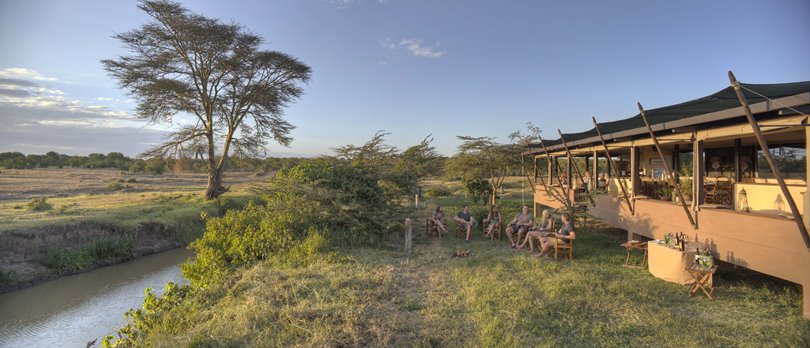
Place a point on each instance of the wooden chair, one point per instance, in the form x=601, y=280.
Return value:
x=711, y=193
x=460, y=232
x=431, y=228
x=498, y=229
x=723, y=191
x=563, y=246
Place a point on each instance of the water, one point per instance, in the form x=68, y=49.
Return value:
x=73, y=310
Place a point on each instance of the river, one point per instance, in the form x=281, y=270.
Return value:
x=73, y=310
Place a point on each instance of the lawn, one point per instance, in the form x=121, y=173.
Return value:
x=495, y=297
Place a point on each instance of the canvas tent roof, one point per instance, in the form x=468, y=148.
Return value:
x=722, y=100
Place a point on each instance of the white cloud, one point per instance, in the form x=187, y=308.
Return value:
x=19, y=88
x=415, y=47
x=23, y=73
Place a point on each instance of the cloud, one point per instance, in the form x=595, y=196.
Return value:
x=23, y=73
x=415, y=48
x=19, y=87
x=37, y=117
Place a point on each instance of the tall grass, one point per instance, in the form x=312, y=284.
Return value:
x=103, y=250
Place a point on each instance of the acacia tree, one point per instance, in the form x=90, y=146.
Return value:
x=400, y=171
x=484, y=158
x=186, y=66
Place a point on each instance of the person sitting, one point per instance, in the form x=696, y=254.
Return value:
x=546, y=225
x=519, y=225
x=464, y=221
x=438, y=220
x=493, y=218
x=564, y=235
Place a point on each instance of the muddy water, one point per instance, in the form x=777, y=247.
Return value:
x=70, y=311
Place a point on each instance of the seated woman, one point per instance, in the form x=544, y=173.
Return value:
x=564, y=235
x=493, y=219
x=438, y=220
x=546, y=225
x=522, y=222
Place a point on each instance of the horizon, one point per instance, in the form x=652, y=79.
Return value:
x=409, y=68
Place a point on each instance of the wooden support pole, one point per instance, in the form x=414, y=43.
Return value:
x=576, y=168
x=737, y=164
x=542, y=181
x=556, y=171
x=670, y=176
x=635, y=181
x=595, y=170
x=408, y=236
x=698, y=173
x=611, y=165
x=676, y=163
x=771, y=163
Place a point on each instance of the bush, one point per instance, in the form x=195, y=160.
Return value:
x=7, y=277
x=38, y=204
x=479, y=190
x=131, y=180
x=117, y=186
x=438, y=191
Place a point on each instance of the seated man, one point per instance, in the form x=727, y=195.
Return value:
x=519, y=226
x=464, y=221
x=565, y=235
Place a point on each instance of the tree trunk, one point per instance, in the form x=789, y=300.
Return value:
x=214, y=188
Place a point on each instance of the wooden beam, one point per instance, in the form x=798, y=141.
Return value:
x=771, y=163
x=635, y=180
x=595, y=170
x=698, y=194
x=676, y=163
x=737, y=166
x=613, y=166
x=576, y=168
x=666, y=168
x=556, y=168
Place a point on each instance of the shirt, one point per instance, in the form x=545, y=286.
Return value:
x=464, y=216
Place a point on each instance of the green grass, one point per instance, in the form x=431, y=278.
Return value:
x=99, y=251
x=496, y=297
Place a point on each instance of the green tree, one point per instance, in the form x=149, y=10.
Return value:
x=216, y=73
x=484, y=158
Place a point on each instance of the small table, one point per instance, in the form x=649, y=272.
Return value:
x=669, y=263
x=635, y=245
x=703, y=279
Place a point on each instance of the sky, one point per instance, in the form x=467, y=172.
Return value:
x=412, y=68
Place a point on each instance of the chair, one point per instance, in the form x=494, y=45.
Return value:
x=463, y=232
x=431, y=228
x=723, y=191
x=561, y=247
x=711, y=193
x=497, y=229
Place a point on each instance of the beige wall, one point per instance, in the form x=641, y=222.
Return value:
x=771, y=245
x=768, y=198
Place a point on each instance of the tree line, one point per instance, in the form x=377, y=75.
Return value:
x=153, y=165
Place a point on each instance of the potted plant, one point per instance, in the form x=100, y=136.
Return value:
x=686, y=189
x=665, y=192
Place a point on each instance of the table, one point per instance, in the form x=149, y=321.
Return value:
x=635, y=245
x=670, y=264
x=702, y=278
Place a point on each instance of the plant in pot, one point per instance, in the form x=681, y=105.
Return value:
x=665, y=192
x=686, y=189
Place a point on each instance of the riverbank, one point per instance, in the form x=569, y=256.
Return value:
x=55, y=222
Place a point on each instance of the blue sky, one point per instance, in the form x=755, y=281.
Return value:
x=410, y=67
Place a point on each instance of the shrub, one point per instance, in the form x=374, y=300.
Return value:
x=131, y=180
x=7, y=277
x=117, y=186
x=479, y=190
x=38, y=204
x=437, y=191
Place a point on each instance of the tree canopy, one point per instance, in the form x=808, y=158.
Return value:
x=185, y=66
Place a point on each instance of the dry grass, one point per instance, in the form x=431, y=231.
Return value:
x=83, y=194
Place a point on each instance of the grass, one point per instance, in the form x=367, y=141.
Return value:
x=103, y=250
x=495, y=298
